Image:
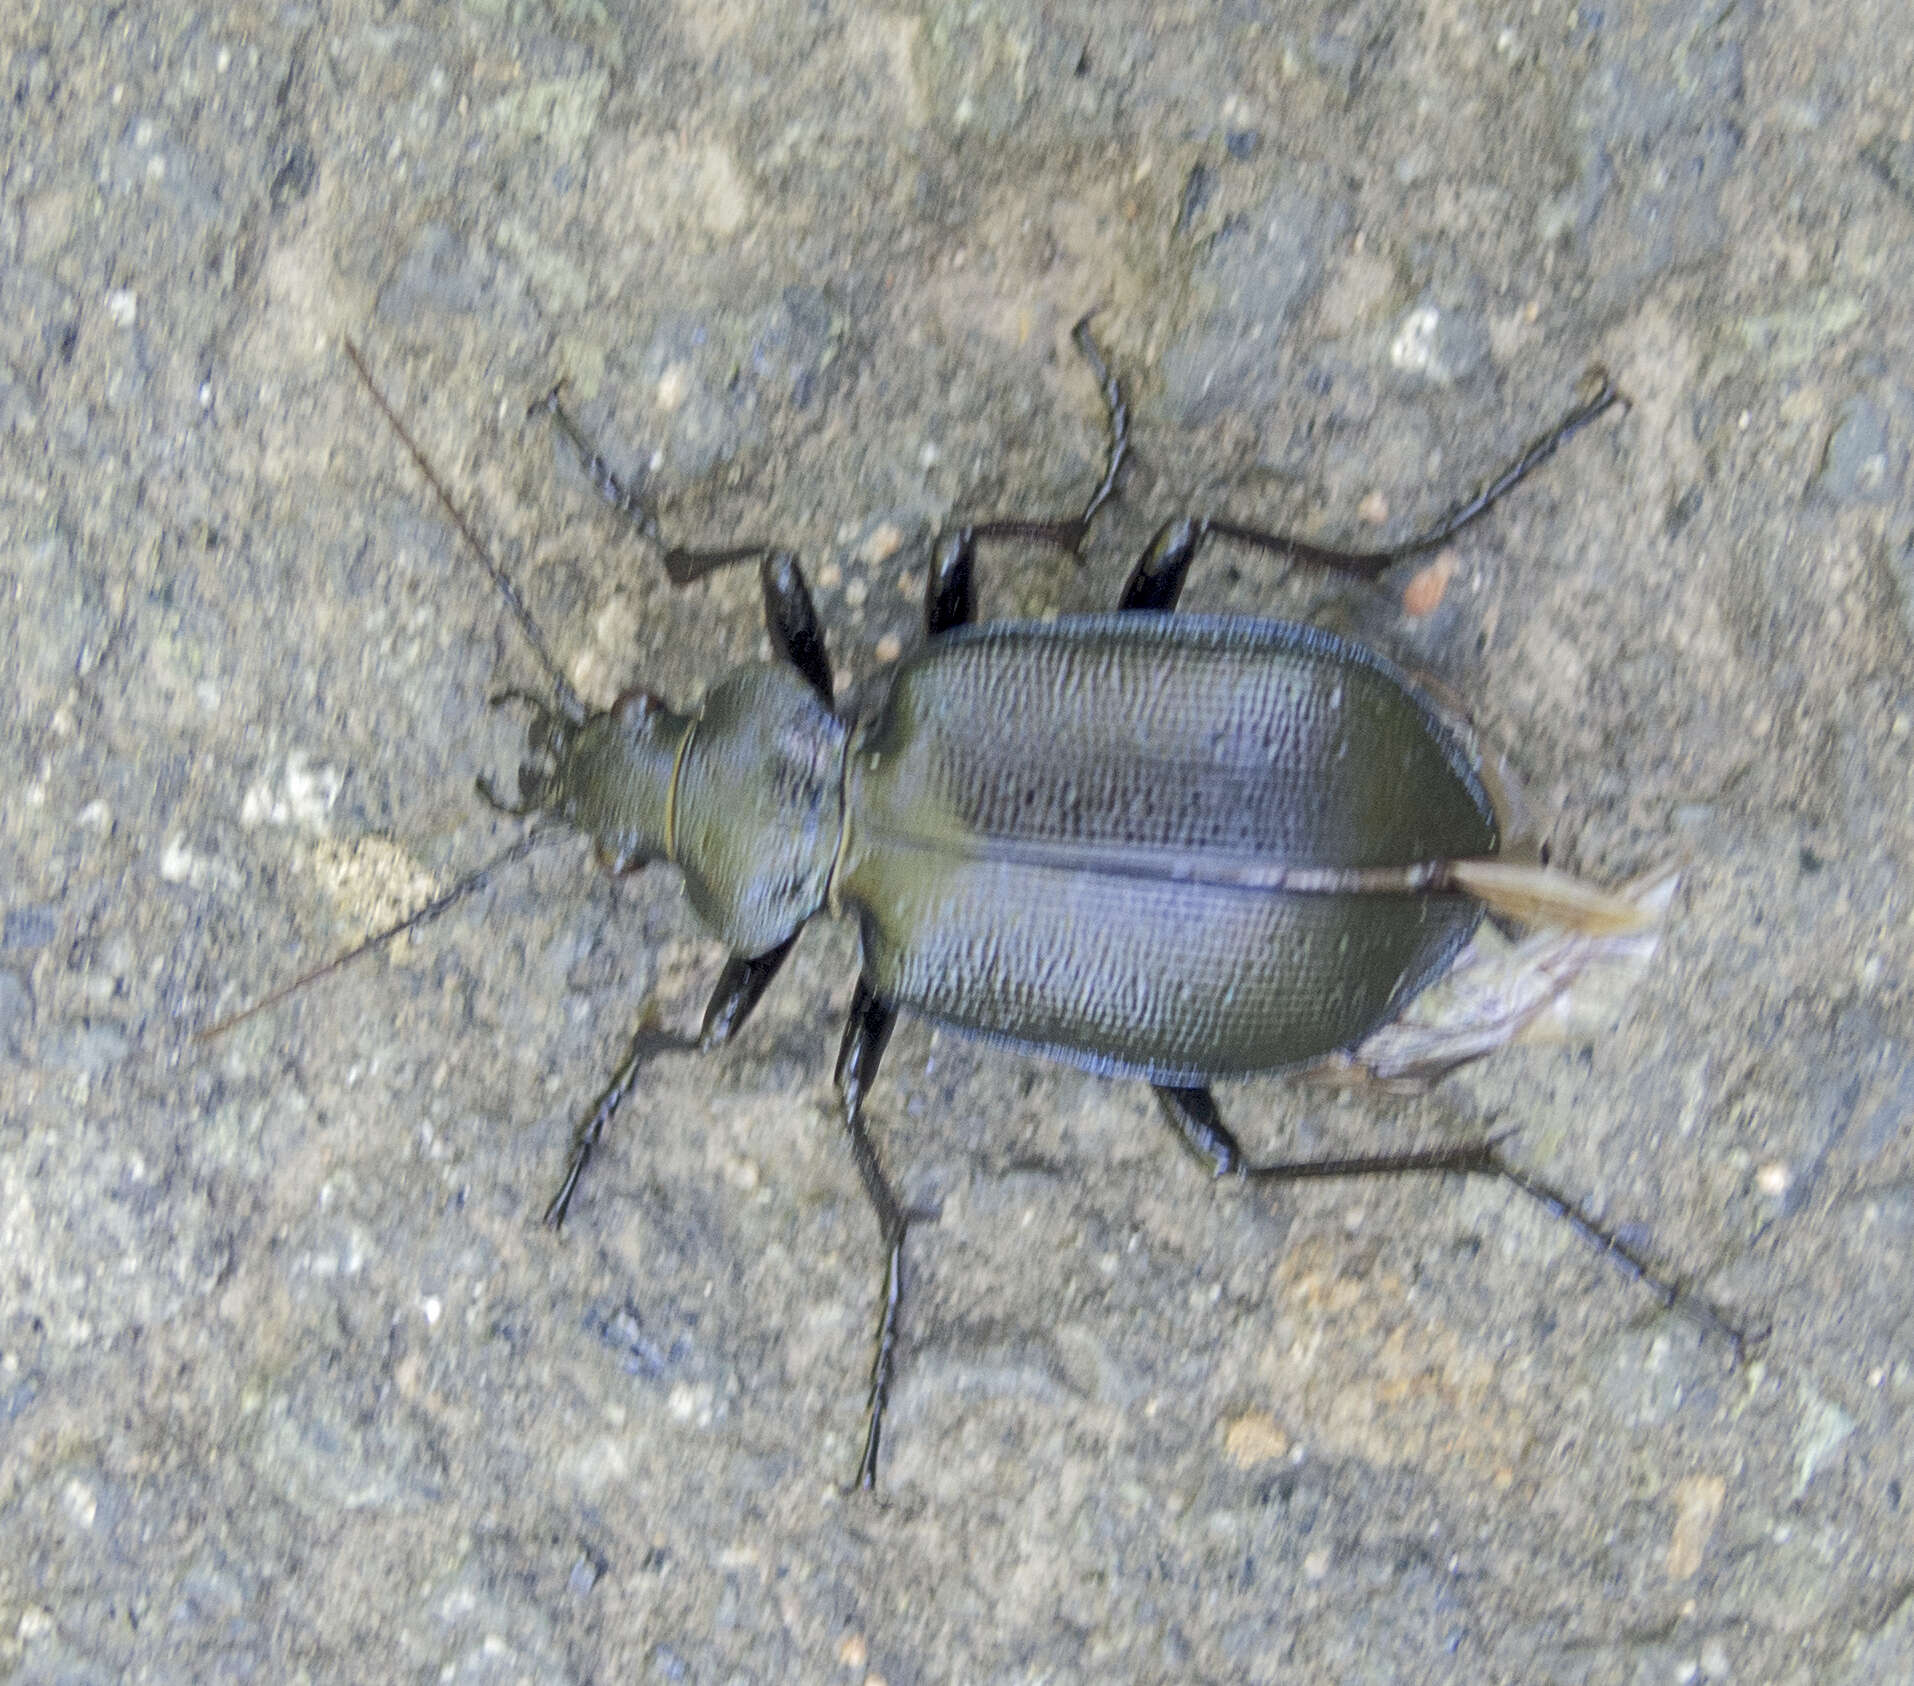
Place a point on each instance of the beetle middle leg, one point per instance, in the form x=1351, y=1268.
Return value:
x=1157, y=580
x=866, y=1032
x=739, y=989
x=949, y=595
x=1193, y=1114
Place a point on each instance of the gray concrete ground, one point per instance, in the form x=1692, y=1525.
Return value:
x=292, y=1384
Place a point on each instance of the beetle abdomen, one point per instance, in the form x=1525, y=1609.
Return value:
x=1055, y=828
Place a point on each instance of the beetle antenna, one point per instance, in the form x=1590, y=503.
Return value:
x=469, y=885
x=568, y=703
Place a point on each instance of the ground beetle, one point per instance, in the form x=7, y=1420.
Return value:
x=1168, y=847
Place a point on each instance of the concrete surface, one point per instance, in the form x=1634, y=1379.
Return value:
x=293, y=1386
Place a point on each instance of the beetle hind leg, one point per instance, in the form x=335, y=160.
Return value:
x=1157, y=580
x=1193, y=1114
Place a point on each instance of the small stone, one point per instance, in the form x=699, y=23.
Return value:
x=1824, y=1426
x=1424, y=593
x=885, y=541
x=674, y=386
x=1698, y=1501
x=1254, y=1438
x=1857, y=466
x=1413, y=348
x=1440, y=346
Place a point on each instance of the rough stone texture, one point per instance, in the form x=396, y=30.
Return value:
x=292, y=1384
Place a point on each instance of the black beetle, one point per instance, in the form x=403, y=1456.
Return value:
x=1169, y=847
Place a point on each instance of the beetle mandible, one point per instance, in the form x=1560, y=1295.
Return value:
x=1162, y=846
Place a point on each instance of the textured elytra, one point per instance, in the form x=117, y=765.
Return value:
x=1034, y=808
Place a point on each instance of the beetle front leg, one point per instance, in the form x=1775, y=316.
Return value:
x=683, y=563
x=740, y=988
x=865, y=1034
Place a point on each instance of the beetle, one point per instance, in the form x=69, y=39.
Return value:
x=1169, y=847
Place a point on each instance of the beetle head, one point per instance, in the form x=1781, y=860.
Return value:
x=612, y=777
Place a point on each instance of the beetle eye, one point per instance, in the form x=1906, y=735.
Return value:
x=621, y=863
x=634, y=708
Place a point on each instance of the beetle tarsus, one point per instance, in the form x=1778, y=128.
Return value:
x=885, y=1362
x=1119, y=414
x=1537, y=452
x=645, y=1047
x=1683, y=1302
